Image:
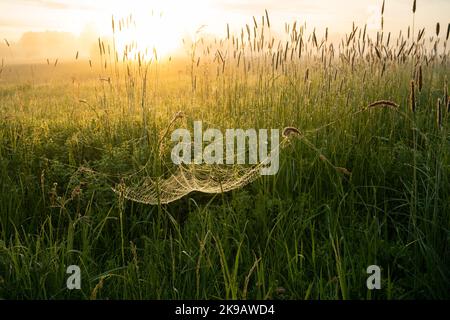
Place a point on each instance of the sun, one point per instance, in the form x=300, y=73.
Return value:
x=155, y=29
x=152, y=37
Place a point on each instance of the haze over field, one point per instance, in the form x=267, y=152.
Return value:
x=148, y=167
x=41, y=29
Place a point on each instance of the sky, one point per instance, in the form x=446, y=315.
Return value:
x=164, y=23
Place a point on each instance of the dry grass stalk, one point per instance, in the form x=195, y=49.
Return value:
x=420, y=79
x=439, y=114
x=445, y=93
x=323, y=158
x=267, y=18
x=412, y=98
x=344, y=171
x=387, y=103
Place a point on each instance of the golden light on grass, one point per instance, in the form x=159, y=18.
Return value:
x=87, y=168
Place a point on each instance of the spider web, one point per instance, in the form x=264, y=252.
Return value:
x=205, y=178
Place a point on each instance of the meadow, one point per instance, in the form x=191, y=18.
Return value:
x=366, y=182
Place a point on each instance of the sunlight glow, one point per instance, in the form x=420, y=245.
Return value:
x=156, y=25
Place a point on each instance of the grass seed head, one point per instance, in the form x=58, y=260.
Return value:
x=289, y=131
x=412, y=98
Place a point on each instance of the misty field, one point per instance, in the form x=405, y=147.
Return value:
x=365, y=182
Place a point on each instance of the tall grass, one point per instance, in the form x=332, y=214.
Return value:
x=308, y=232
